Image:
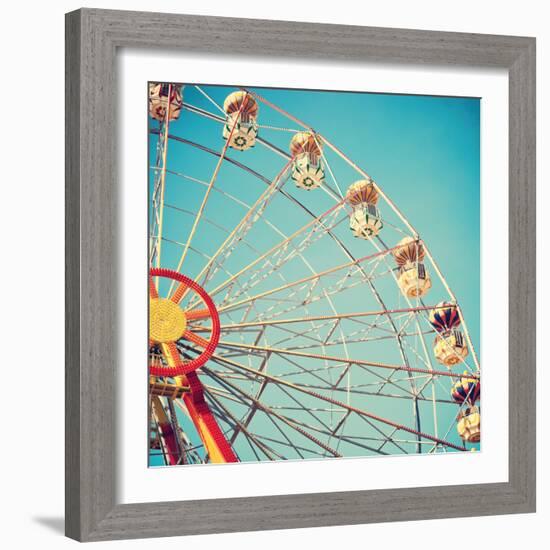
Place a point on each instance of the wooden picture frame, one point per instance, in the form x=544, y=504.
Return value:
x=92, y=39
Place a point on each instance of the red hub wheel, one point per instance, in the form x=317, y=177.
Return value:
x=178, y=321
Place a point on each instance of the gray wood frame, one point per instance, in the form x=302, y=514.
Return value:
x=92, y=39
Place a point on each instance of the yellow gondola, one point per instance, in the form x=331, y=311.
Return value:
x=469, y=425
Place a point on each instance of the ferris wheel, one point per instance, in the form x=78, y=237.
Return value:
x=295, y=312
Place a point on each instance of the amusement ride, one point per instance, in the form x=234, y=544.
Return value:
x=293, y=314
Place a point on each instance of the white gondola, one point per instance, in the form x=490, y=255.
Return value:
x=307, y=169
x=158, y=100
x=241, y=126
x=365, y=220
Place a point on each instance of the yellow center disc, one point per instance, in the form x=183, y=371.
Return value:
x=167, y=321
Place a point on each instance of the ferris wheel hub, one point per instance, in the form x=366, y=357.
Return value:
x=167, y=321
x=169, y=324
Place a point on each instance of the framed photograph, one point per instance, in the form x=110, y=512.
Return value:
x=293, y=253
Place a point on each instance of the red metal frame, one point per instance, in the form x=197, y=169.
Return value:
x=192, y=365
x=217, y=446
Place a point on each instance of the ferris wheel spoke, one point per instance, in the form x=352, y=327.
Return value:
x=336, y=316
x=313, y=373
x=391, y=439
x=301, y=369
x=359, y=337
x=372, y=333
x=340, y=438
x=358, y=411
x=311, y=335
x=263, y=365
x=253, y=409
x=213, y=263
x=399, y=440
x=215, y=153
x=340, y=427
x=199, y=89
x=225, y=389
x=347, y=265
x=428, y=383
x=305, y=295
x=153, y=292
x=196, y=339
x=256, y=373
x=403, y=340
x=226, y=195
x=197, y=314
x=269, y=451
x=155, y=199
x=385, y=437
x=274, y=415
x=257, y=439
x=277, y=262
x=358, y=391
x=383, y=381
x=243, y=227
x=293, y=446
x=313, y=228
x=377, y=364
x=219, y=413
x=307, y=410
x=415, y=353
x=281, y=111
x=332, y=434
x=181, y=289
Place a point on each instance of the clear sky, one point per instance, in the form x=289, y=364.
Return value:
x=423, y=152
